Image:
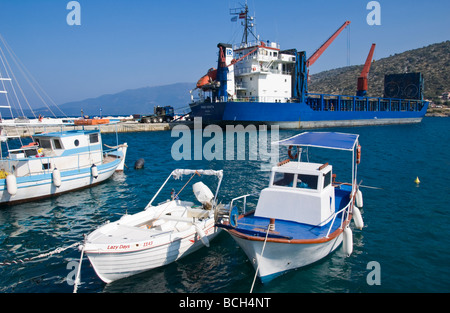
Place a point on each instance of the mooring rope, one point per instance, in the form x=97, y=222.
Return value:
x=77, y=279
x=269, y=228
x=44, y=255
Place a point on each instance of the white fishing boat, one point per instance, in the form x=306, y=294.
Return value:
x=158, y=235
x=49, y=163
x=55, y=163
x=303, y=215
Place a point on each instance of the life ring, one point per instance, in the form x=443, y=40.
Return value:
x=292, y=157
x=358, y=154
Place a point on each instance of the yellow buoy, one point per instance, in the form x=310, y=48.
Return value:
x=417, y=181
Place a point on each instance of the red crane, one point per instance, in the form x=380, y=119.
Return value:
x=313, y=58
x=363, y=78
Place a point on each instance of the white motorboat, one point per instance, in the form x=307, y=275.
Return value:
x=158, y=235
x=303, y=215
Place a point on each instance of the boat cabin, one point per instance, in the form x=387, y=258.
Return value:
x=300, y=192
x=62, y=150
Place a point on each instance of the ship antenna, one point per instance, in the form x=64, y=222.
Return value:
x=242, y=13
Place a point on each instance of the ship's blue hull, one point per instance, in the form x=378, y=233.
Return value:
x=300, y=115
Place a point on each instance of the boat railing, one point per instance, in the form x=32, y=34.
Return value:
x=346, y=208
x=256, y=43
x=243, y=198
x=329, y=102
x=259, y=69
x=47, y=160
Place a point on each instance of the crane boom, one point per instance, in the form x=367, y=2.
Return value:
x=366, y=68
x=313, y=58
x=363, y=78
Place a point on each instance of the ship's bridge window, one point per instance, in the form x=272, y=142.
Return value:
x=307, y=181
x=283, y=179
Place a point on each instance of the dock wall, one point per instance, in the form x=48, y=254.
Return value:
x=123, y=127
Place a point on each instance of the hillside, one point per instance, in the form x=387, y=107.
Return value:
x=432, y=61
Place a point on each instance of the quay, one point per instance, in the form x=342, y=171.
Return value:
x=121, y=127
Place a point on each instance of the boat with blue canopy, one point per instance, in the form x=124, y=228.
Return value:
x=303, y=215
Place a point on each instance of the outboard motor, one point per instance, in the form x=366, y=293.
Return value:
x=203, y=194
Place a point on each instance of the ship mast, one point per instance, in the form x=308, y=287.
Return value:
x=242, y=13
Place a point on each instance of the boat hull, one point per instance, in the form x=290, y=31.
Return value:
x=112, y=266
x=290, y=115
x=280, y=257
x=30, y=188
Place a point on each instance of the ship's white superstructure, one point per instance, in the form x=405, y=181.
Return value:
x=264, y=75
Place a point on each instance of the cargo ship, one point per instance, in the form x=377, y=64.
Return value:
x=256, y=82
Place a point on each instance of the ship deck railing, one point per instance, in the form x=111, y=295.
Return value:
x=257, y=69
x=328, y=102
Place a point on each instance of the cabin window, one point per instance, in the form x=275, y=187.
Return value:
x=327, y=179
x=57, y=144
x=307, y=181
x=283, y=179
x=46, y=166
x=76, y=142
x=45, y=143
x=93, y=138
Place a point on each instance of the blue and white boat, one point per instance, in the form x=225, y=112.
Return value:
x=257, y=82
x=53, y=162
x=303, y=215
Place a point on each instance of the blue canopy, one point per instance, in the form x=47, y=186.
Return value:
x=328, y=140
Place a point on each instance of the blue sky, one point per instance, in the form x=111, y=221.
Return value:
x=126, y=44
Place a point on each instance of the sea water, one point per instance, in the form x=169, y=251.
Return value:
x=406, y=234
